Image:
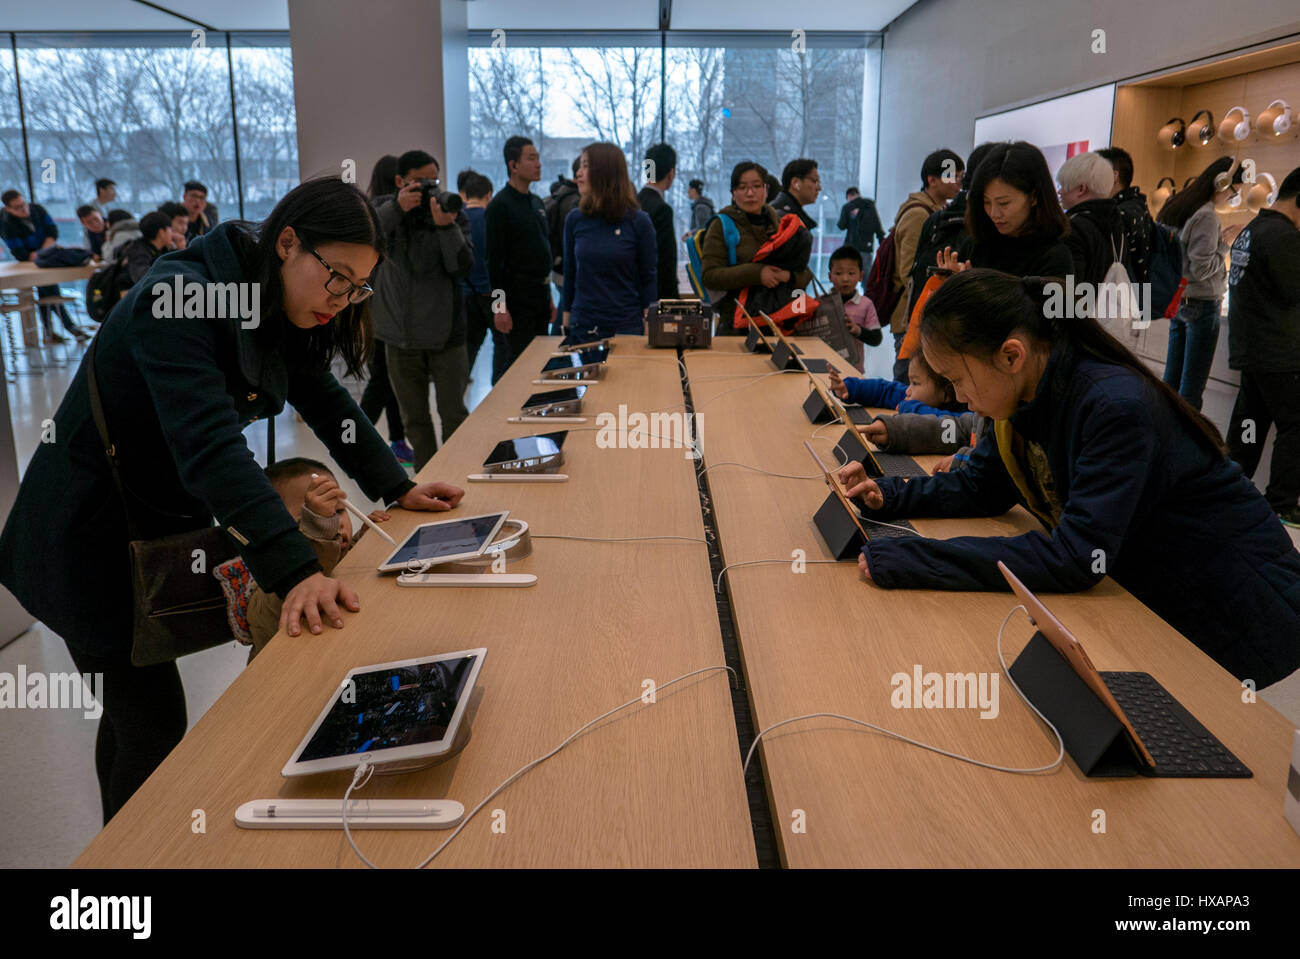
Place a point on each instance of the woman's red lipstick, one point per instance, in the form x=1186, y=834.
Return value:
x=322, y=318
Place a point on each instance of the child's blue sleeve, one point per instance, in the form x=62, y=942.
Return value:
x=874, y=391
x=913, y=406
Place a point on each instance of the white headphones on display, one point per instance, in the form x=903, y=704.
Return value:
x=1274, y=122
x=1261, y=195
x=1230, y=132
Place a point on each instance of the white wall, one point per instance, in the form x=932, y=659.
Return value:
x=947, y=61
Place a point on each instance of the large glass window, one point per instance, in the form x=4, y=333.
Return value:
x=268, y=124
x=13, y=171
x=151, y=111
x=725, y=98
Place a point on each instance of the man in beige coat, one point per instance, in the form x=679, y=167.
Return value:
x=941, y=179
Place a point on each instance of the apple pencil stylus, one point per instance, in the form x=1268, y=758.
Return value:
x=363, y=517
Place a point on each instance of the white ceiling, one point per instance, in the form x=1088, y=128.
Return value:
x=483, y=14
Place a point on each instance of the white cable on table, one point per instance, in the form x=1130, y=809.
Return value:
x=519, y=772
x=1060, y=753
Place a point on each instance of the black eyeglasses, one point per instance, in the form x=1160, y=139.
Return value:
x=340, y=285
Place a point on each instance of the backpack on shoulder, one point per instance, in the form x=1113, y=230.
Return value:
x=105, y=287
x=1166, y=271
x=695, y=254
x=879, y=287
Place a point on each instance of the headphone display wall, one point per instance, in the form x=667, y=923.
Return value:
x=1274, y=122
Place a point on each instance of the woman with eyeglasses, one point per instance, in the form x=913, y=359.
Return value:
x=177, y=391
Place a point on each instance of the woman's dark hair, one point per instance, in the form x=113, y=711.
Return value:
x=973, y=162
x=1178, y=209
x=743, y=167
x=773, y=187
x=974, y=312
x=320, y=211
x=609, y=196
x=383, y=178
x=117, y=216
x=1021, y=166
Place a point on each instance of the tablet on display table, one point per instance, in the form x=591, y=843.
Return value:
x=447, y=541
x=391, y=712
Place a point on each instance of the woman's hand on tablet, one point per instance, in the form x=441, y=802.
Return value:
x=431, y=497
x=315, y=595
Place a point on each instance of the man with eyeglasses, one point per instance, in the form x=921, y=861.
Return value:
x=415, y=308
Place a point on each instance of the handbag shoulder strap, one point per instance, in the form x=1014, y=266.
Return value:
x=101, y=425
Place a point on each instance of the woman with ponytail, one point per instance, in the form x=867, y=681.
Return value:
x=1126, y=478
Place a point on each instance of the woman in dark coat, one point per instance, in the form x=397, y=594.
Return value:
x=1126, y=478
x=178, y=387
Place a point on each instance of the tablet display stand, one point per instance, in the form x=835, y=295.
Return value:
x=413, y=765
x=754, y=343
x=841, y=534
x=783, y=358
x=851, y=445
x=1093, y=737
x=816, y=410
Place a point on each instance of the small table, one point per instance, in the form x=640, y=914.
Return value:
x=24, y=276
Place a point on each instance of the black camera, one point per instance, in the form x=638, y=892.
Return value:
x=431, y=189
x=687, y=324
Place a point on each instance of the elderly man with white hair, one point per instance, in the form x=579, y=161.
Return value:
x=1096, y=237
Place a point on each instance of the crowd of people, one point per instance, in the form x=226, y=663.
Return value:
x=110, y=235
x=407, y=282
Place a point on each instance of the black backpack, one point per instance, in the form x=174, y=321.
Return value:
x=105, y=287
x=945, y=227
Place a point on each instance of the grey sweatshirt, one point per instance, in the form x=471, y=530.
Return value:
x=918, y=433
x=1203, y=255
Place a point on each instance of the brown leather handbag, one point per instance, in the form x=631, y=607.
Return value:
x=179, y=607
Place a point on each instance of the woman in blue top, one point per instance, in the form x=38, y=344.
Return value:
x=1126, y=478
x=609, y=250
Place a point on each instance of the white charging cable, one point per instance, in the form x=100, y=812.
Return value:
x=518, y=773
x=717, y=585
x=1060, y=753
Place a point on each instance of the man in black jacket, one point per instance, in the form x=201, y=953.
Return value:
x=661, y=171
x=1264, y=344
x=562, y=201
x=519, y=254
x=801, y=184
x=1095, y=235
x=154, y=240
x=1134, y=215
x=861, y=222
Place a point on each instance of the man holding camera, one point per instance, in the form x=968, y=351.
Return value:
x=416, y=312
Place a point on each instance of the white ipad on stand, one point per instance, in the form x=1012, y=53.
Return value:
x=395, y=712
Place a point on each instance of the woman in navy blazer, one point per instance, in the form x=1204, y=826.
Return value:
x=1127, y=479
x=609, y=251
x=178, y=389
